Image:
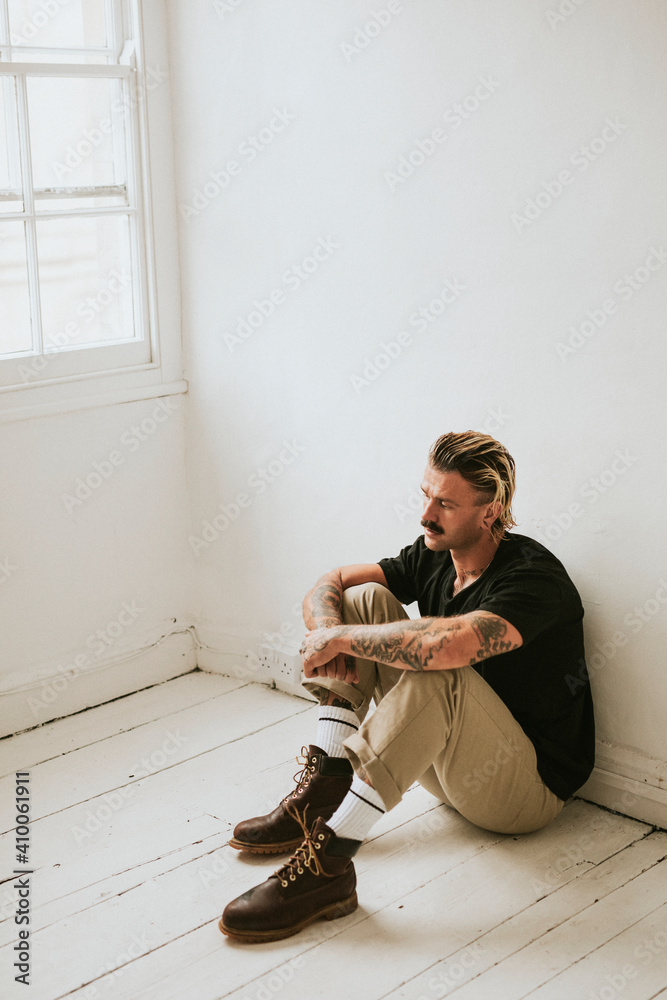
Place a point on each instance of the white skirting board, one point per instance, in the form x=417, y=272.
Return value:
x=67, y=693
x=629, y=783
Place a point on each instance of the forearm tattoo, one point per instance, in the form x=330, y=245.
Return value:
x=322, y=607
x=491, y=632
x=432, y=643
x=413, y=644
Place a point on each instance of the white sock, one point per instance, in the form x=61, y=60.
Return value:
x=333, y=726
x=359, y=810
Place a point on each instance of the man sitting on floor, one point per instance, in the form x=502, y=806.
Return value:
x=484, y=699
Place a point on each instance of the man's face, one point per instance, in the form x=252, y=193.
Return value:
x=452, y=517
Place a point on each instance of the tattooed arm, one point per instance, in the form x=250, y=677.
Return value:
x=322, y=605
x=421, y=644
x=322, y=610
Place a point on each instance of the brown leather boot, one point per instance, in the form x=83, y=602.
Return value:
x=321, y=786
x=318, y=881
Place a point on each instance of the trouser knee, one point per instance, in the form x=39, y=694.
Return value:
x=370, y=603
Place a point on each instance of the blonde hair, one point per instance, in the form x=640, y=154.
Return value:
x=484, y=463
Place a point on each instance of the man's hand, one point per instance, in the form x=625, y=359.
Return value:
x=321, y=659
x=413, y=644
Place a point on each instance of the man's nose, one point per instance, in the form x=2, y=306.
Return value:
x=430, y=512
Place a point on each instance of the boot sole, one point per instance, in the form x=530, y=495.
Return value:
x=287, y=847
x=332, y=912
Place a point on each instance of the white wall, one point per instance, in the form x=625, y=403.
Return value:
x=350, y=106
x=95, y=581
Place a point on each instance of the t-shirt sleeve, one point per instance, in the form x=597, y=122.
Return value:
x=401, y=574
x=532, y=600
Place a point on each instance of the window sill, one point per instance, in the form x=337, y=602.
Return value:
x=27, y=408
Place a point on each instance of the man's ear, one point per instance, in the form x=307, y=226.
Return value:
x=491, y=513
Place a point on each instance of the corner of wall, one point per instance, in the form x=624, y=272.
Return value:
x=628, y=782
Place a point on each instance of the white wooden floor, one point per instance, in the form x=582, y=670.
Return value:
x=134, y=802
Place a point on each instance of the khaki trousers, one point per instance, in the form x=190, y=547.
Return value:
x=446, y=729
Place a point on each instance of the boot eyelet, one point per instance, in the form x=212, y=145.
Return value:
x=317, y=847
x=283, y=884
x=299, y=871
x=292, y=878
x=320, y=836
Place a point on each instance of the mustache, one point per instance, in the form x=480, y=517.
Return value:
x=432, y=527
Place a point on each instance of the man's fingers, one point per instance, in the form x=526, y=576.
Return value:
x=330, y=669
x=351, y=672
x=341, y=667
x=337, y=668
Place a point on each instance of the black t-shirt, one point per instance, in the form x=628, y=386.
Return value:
x=544, y=683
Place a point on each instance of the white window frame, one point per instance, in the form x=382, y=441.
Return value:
x=162, y=373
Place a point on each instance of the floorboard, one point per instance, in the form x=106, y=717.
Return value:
x=118, y=716
x=133, y=805
x=499, y=946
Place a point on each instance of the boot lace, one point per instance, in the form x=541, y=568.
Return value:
x=305, y=856
x=303, y=776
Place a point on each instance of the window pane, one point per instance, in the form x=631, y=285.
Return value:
x=85, y=268
x=11, y=199
x=94, y=197
x=77, y=137
x=58, y=23
x=15, y=332
x=81, y=57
